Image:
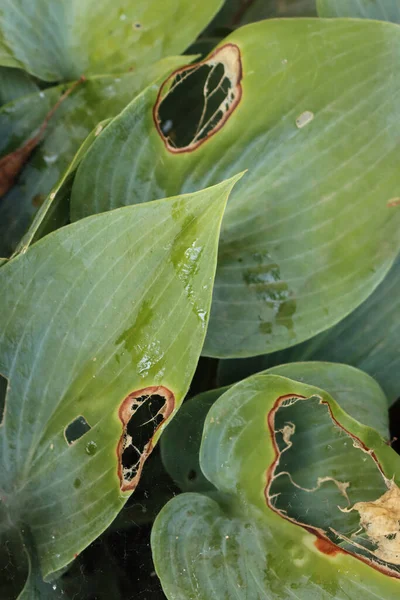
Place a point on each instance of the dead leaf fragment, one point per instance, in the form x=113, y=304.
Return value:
x=381, y=521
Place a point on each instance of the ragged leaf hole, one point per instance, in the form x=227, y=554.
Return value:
x=324, y=496
x=142, y=413
x=196, y=101
x=76, y=429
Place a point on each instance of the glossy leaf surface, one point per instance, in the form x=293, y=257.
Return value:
x=92, y=101
x=294, y=475
x=63, y=40
x=309, y=232
x=102, y=324
x=367, y=339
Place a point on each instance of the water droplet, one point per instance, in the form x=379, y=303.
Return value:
x=50, y=159
x=91, y=448
x=202, y=314
x=54, y=586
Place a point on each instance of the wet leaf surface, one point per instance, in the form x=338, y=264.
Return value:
x=69, y=351
x=308, y=234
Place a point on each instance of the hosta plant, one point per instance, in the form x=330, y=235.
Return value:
x=199, y=246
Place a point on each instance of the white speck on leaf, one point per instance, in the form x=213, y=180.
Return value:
x=304, y=119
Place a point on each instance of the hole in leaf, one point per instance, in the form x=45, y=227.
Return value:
x=141, y=414
x=76, y=429
x=196, y=101
x=326, y=480
x=3, y=393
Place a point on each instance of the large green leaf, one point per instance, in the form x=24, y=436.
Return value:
x=66, y=39
x=92, y=101
x=368, y=339
x=306, y=507
x=357, y=393
x=384, y=10
x=102, y=324
x=308, y=233
x=15, y=83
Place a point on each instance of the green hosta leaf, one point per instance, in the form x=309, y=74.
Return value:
x=308, y=234
x=63, y=40
x=54, y=212
x=35, y=588
x=306, y=507
x=102, y=325
x=368, y=339
x=357, y=393
x=383, y=10
x=15, y=83
x=92, y=101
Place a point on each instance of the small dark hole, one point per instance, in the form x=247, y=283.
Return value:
x=391, y=536
x=192, y=475
x=76, y=429
x=140, y=429
x=138, y=26
x=3, y=392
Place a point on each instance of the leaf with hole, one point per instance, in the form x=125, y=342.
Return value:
x=309, y=232
x=58, y=41
x=102, y=324
x=305, y=503
x=90, y=102
x=355, y=392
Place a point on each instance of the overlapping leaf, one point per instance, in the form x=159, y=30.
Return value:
x=114, y=305
x=311, y=231
x=300, y=487
x=356, y=393
x=63, y=40
x=92, y=101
